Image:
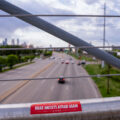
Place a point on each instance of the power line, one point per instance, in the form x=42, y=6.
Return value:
x=66, y=77
x=58, y=15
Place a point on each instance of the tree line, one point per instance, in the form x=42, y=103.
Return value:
x=8, y=58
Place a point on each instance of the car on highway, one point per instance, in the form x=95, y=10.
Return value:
x=61, y=80
x=72, y=62
x=79, y=63
x=62, y=61
x=67, y=62
x=83, y=62
x=52, y=57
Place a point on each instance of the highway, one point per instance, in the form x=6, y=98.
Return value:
x=47, y=90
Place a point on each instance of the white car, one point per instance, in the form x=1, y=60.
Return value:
x=62, y=61
x=72, y=62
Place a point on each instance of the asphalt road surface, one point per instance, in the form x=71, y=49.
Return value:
x=49, y=89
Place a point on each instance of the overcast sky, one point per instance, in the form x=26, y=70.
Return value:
x=89, y=29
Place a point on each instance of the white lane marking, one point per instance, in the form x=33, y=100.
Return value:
x=4, y=83
x=67, y=88
x=51, y=89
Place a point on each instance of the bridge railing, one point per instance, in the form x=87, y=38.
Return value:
x=91, y=109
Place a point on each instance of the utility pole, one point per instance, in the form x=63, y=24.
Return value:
x=104, y=32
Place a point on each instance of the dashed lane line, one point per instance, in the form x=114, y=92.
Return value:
x=23, y=83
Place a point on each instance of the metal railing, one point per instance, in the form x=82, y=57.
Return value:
x=59, y=15
x=81, y=47
x=91, y=109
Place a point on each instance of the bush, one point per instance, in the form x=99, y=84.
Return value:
x=40, y=52
x=23, y=59
x=106, y=69
x=47, y=53
x=26, y=58
x=2, y=63
x=31, y=58
x=12, y=60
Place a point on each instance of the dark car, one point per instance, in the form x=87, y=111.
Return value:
x=67, y=62
x=83, y=62
x=79, y=63
x=61, y=80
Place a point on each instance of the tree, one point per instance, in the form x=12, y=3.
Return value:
x=26, y=58
x=79, y=51
x=47, y=53
x=12, y=60
x=2, y=63
x=31, y=58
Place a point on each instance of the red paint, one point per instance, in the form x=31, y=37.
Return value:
x=59, y=107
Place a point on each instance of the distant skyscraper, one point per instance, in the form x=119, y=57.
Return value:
x=18, y=41
x=5, y=41
x=24, y=45
x=31, y=46
x=13, y=42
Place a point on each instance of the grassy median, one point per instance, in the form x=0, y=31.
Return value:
x=82, y=57
x=114, y=81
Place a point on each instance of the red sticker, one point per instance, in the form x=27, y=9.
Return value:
x=59, y=107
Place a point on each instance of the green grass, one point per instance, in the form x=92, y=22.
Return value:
x=74, y=55
x=15, y=67
x=102, y=82
x=83, y=57
x=87, y=58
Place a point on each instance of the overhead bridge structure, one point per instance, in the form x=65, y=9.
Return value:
x=58, y=32
x=92, y=109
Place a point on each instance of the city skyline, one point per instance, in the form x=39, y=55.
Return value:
x=88, y=29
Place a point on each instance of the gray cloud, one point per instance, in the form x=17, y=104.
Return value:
x=91, y=1
x=9, y=25
x=66, y=2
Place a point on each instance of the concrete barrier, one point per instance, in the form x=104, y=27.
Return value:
x=91, y=109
